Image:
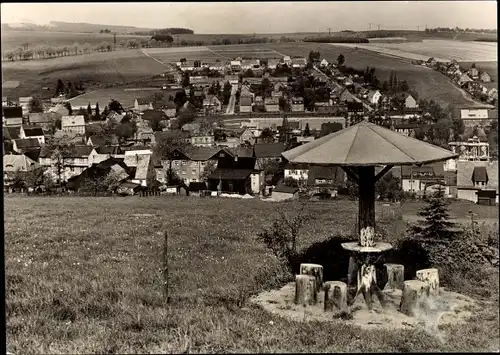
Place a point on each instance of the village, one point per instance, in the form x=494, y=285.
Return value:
x=225, y=129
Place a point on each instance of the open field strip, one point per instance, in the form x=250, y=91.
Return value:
x=441, y=50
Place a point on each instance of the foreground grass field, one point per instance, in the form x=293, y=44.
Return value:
x=84, y=275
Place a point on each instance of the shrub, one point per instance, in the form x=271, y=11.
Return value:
x=281, y=236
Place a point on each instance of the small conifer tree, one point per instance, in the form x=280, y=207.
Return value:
x=437, y=223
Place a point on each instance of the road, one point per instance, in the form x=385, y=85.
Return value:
x=232, y=100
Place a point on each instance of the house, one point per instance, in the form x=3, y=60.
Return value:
x=145, y=135
x=407, y=129
x=74, y=163
x=272, y=104
x=324, y=63
x=323, y=179
x=142, y=104
x=265, y=152
x=24, y=102
x=101, y=153
x=485, y=77
x=287, y=60
x=472, y=150
x=24, y=145
x=235, y=65
x=99, y=170
x=128, y=188
x=374, y=96
x=464, y=78
x=60, y=108
x=238, y=137
x=420, y=179
x=273, y=63
x=232, y=79
x=168, y=107
x=189, y=163
x=12, y=116
x=354, y=107
x=32, y=132
x=279, y=86
x=235, y=166
x=493, y=94
x=346, y=96
x=324, y=107
x=108, y=140
x=44, y=120
x=212, y=104
x=431, y=62
x=473, y=73
x=297, y=104
x=245, y=104
x=75, y=124
x=299, y=62
x=144, y=173
x=11, y=132
x=410, y=102
x=475, y=176
x=201, y=139
x=18, y=162
x=297, y=172
x=250, y=64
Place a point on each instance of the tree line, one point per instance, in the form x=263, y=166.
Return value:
x=336, y=40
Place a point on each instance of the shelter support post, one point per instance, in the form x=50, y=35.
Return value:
x=366, y=215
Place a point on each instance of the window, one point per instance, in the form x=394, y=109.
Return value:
x=193, y=171
x=183, y=172
x=176, y=163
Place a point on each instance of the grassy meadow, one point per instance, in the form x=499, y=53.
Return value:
x=84, y=275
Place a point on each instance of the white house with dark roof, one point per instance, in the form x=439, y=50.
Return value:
x=32, y=132
x=75, y=124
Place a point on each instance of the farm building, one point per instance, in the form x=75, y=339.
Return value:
x=410, y=102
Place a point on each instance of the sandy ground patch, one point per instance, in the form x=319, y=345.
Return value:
x=450, y=308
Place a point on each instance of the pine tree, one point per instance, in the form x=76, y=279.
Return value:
x=307, y=130
x=284, y=130
x=436, y=224
x=391, y=80
x=97, y=113
x=89, y=110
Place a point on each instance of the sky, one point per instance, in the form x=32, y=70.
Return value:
x=263, y=17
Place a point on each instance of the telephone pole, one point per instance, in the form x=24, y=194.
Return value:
x=114, y=41
x=418, y=28
x=369, y=26
x=379, y=27
x=329, y=32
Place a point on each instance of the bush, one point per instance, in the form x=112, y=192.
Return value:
x=281, y=236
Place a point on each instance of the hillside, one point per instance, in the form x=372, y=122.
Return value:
x=76, y=27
